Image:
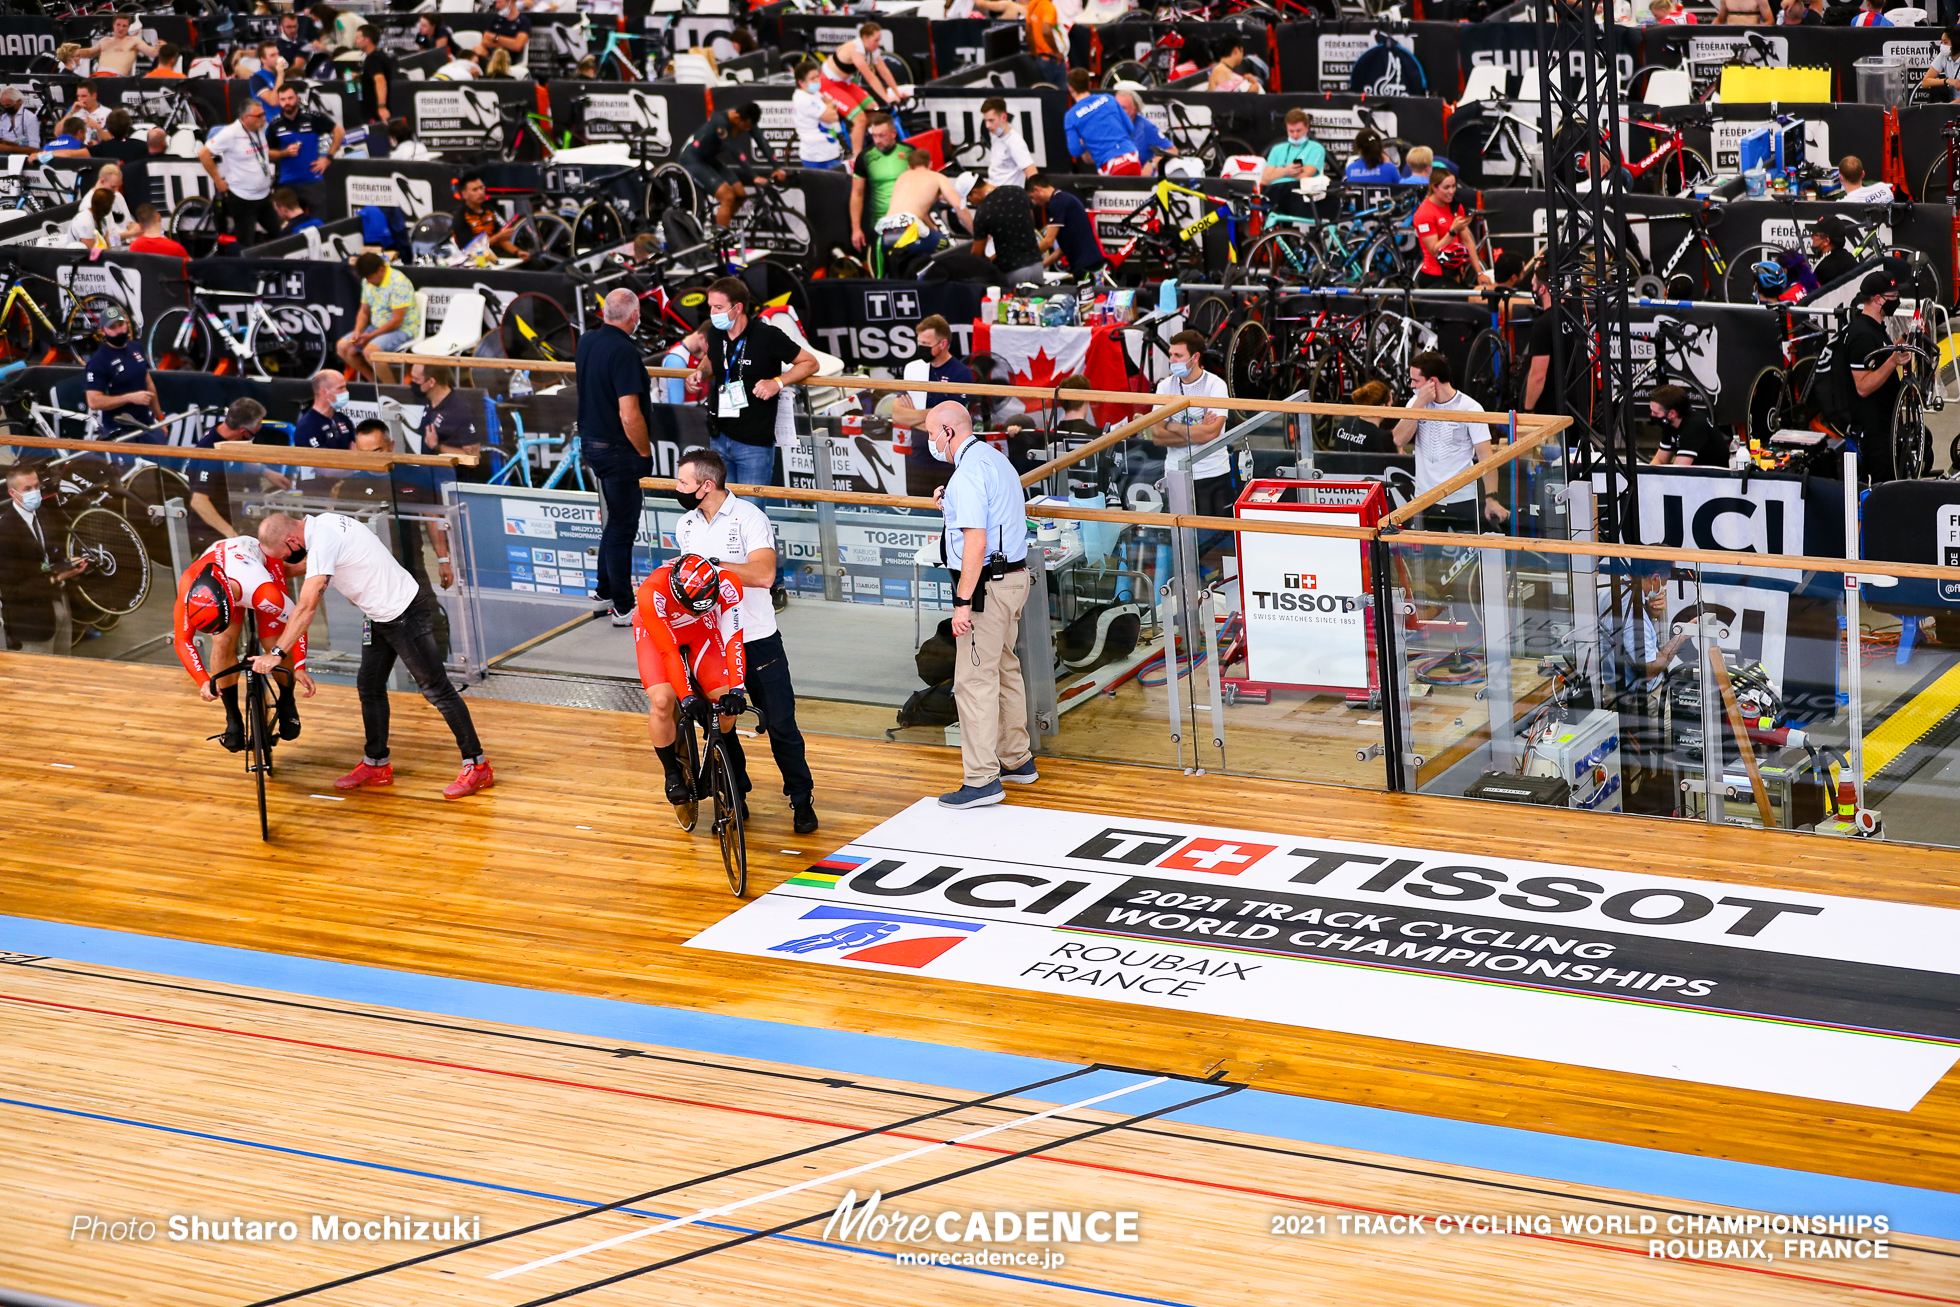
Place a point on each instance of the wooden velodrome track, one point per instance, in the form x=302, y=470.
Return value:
x=570, y=877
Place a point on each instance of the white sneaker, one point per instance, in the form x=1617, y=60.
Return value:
x=622, y=619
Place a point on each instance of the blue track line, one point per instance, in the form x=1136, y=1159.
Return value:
x=560, y=1198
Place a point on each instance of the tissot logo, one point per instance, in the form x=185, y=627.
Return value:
x=1142, y=848
x=1302, y=581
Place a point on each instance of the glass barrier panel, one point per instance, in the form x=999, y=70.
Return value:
x=1906, y=695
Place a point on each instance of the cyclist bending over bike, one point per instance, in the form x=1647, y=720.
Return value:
x=228, y=582
x=720, y=158
x=689, y=615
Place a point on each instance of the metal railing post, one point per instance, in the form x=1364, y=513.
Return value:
x=828, y=559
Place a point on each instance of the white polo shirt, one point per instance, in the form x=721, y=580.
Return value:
x=243, y=160
x=738, y=530
x=359, y=566
x=1008, y=159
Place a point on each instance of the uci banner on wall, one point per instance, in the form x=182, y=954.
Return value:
x=1842, y=999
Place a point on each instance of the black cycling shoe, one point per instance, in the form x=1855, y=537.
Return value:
x=806, y=816
x=288, y=722
x=678, y=790
x=233, y=738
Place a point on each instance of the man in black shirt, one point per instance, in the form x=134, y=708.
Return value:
x=116, y=143
x=721, y=157
x=1874, y=373
x=377, y=69
x=614, y=397
x=745, y=366
x=1007, y=215
x=1545, y=326
x=1829, y=260
x=1687, y=438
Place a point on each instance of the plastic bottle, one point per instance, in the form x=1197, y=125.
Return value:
x=990, y=305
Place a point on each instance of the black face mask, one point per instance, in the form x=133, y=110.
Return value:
x=1891, y=303
x=115, y=339
x=297, y=554
x=688, y=502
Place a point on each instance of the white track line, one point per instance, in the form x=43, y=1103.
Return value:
x=707, y=1213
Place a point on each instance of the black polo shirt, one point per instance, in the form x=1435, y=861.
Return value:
x=760, y=352
x=1007, y=215
x=1697, y=437
x=609, y=366
x=1871, y=414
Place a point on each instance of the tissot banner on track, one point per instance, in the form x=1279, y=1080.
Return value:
x=1849, y=1000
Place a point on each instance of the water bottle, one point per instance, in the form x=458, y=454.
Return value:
x=990, y=305
x=520, y=384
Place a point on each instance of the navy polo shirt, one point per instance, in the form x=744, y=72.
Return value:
x=118, y=372
x=1077, y=237
x=954, y=369
x=609, y=366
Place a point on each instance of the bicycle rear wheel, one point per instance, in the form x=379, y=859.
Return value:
x=1912, y=444
x=1210, y=317
x=1249, y=362
x=728, y=821
x=1487, y=371
x=689, y=748
x=537, y=327
x=596, y=227
x=194, y=225
x=117, y=578
x=180, y=341
x=258, y=744
x=288, y=343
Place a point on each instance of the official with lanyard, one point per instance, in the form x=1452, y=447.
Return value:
x=986, y=549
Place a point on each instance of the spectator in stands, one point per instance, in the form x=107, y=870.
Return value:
x=94, y=225
x=1005, y=215
x=1688, y=439
x=1150, y=140
x=432, y=35
x=1829, y=260
x=239, y=163
x=1445, y=446
x=1211, y=476
x=1851, y=171
x=20, y=127
x=588, y=68
x=476, y=218
x=265, y=83
x=1798, y=13
x=303, y=143
x=295, y=214
x=157, y=140
x=386, y=320
x=402, y=143
x=1872, y=15
x=1446, y=254
x=115, y=54
x=1866, y=347
x=1225, y=75
x=68, y=55
x=90, y=109
x=510, y=31
x=377, y=69
x=337, y=30
x=1009, y=160
x=879, y=166
x=1297, y=155
x=71, y=140
x=1369, y=165
x=1354, y=434
x=1044, y=34
x=820, y=138
x=1067, y=234
x=1743, y=12
x=169, y=61
x=1671, y=13
x=1944, y=72
x=497, y=65
x=1421, y=163
x=1098, y=130
x=150, y=238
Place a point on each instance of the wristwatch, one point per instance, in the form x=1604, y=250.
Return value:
x=962, y=603
x=277, y=651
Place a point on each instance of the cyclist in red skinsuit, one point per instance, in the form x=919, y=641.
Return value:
x=689, y=614
x=209, y=597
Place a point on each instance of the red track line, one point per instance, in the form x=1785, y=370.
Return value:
x=899, y=1134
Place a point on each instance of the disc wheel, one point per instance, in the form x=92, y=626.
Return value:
x=1912, y=444
x=690, y=755
x=258, y=744
x=1249, y=362
x=180, y=341
x=537, y=327
x=194, y=225
x=117, y=578
x=1487, y=371
x=728, y=824
x=597, y=227
x=83, y=329
x=1128, y=70
x=288, y=343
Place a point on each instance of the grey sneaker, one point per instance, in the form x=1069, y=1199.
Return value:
x=1025, y=774
x=973, y=796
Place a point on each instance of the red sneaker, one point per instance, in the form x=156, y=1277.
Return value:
x=474, y=776
x=365, y=777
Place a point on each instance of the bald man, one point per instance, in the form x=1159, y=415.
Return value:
x=986, y=549
x=614, y=400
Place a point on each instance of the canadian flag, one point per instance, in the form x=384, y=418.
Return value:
x=1040, y=356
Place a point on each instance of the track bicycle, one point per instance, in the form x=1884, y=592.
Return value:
x=1675, y=166
x=1202, y=141
x=1668, y=279
x=1919, y=394
x=1794, y=258
x=1160, y=239
x=1160, y=65
x=712, y=776
x=260, y=710
x=280, y=341
x=117, y=578
x=1362, y=249
x=1499, y=148
x=516, y=469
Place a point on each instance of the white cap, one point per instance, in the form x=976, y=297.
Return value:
x=1129, y=86
x=964, y=184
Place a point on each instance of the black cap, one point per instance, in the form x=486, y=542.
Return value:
x=1833, y=226
x=1875, y=283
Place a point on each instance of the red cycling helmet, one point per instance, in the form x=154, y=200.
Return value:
x=694, y=583
x=207, y=604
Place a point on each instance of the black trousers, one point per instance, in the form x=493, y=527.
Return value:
x=412, y=639
x=619, y=469
x=246, y=218
x=770, y=687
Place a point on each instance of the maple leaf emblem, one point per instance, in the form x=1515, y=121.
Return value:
x=1039, y=371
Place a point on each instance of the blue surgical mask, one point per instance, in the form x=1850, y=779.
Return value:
x=339, y=400
x=720, y=321
x=1180, y=370
x=31, y=499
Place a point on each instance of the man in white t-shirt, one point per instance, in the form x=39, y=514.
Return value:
x=737, y=538
x=1851, y=171
x=816, y=120
x=1009, y=160
x=240, y=164
x=1445, y=447
x=401, y=620
x=1211, y=475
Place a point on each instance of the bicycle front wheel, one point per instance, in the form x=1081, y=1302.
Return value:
x=180, y=341
x=258, y=744
x=288, y=343
x=690, y=757
x=597, y=227
x=728, y=823
x=117, y=578
x=1282, y=255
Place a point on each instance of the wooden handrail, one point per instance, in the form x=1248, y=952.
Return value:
x=1523, y=445
x=239, y=451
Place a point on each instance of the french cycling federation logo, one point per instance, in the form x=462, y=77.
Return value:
x=879, y=937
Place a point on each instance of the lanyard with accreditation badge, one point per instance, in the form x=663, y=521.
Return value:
x=733, y=397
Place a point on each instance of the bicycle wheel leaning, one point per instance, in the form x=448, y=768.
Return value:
x=117, y=578
x=1487, y=371
x=728, y=819
x=180, y=341
x=288, y=342
x=1912, y=443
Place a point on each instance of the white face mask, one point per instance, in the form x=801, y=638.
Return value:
x=944, y=453
x=31, y=499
